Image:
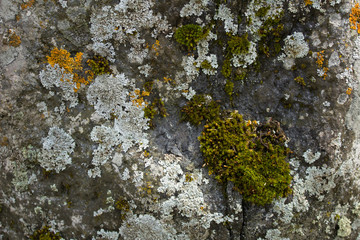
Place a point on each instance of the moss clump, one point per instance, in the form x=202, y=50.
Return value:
x=229, y=88
x=123, y=206
x=252, y=156
x=45, y=234
x=270, y=36
x=189, y=35
x=206, y=65
x=157, y=107
x=200, y=108
x=99, y=65
x=226, y=68
x=262, y=12
x=238, y=45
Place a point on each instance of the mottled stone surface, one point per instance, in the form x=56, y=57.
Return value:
x=158, y=172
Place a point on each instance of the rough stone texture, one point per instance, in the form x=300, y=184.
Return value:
x=321, y=119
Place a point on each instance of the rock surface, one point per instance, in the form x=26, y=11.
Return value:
x=105, y=174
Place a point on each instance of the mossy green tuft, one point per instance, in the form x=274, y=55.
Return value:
x=250, y=155
x=199, y=108
x=99, y=65
x=189, y=35
x=239, y=45
x=45, y=234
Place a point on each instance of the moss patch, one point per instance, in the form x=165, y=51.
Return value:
x=189, y=35
x=251, y=156
x=200, y=108
x=99, y=65
x=45, y=234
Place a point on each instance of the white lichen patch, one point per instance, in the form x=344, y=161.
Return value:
x=108, y=235
x=121, y=23
x=57, y=77
x=145, y=227
x=295, y=47
x=194, y=7
x=110, y=96
x=245, y=60
x=319, y=181
x=275, y=7
x=224, y=14
x=185, y=194
x=56, y=150
x=344, y=227
x=311, y=157
x=108, y=93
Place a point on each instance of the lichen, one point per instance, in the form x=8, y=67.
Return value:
x=344, y=227
x=56, y=150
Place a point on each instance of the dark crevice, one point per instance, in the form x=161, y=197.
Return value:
x=242, y=231
x=227, y=210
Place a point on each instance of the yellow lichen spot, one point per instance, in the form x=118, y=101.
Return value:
x=348, y=91
x=166, y=79
x=145, y=93
x=146, y=153
x=308, y=2
x=354, y=18
x=188, y=177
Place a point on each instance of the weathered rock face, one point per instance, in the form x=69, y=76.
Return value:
x=78, y=155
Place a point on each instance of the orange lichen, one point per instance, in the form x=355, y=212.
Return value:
x=155, y=47
x=320, y=58
x=62, y=59
x=28, y=4
x=355, y=17
x=17, y=17
x=4, y=141
x=348, y=91
x=13, y=39
x=308, y=2
x=138, y=97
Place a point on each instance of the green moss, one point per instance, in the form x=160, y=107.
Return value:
x=206, y=65
x=270, y=36
x=229, y=88
x=238, y=45
x=99, y=65
x=226, y=68
x=45, y=234
x=240, y=74
x=189, y=35
x=157, y=107
x=123, y=205
x=198, y=109
x=262, y=12
x=251, y=156
x=148, y=86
